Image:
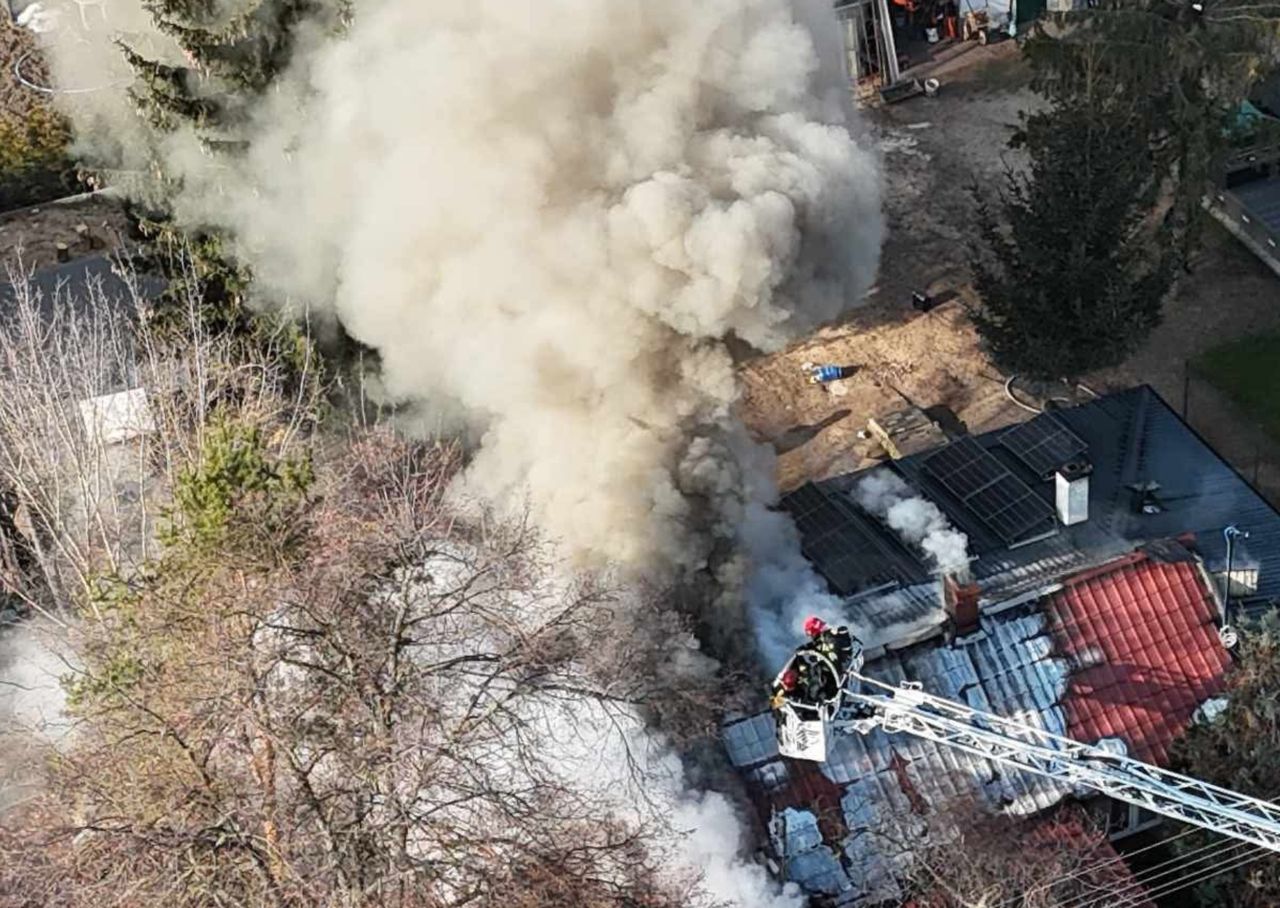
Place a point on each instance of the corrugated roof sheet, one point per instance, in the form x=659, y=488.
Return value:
x=882, y=782
x=1127, y=650
x=1144, y=641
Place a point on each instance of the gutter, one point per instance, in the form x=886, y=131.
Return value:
x=1233, y=217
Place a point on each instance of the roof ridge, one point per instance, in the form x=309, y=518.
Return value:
x=1130, y=559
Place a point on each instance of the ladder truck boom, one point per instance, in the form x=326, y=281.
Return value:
x=821, y=692
x=910, y=709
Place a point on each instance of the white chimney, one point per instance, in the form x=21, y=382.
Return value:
x=1072, y=486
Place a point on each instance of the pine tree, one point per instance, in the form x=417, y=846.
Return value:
x=234, y=51
x=1182, y=67
x=1071, y=270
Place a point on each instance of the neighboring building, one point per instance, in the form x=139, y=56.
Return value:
x=1106, y=628
x=871, y=53
x=1247, y=198
x=1247, y=201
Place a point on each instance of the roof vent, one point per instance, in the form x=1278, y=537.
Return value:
x=1146, y=498
x=1071, y=482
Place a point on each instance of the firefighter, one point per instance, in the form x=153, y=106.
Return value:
x=836, y=643
x=786, y=686
x=803, y=684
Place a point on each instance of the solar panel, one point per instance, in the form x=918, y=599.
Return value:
x=1043, y=444
x=996, y=497
x=848, y=548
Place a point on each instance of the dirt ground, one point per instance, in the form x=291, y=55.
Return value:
x=935, y=149
x=32, y=235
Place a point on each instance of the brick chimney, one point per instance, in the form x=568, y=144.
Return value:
x=960, y=602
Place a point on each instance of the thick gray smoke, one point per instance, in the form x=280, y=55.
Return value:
x=917, y=520
x=550, y=220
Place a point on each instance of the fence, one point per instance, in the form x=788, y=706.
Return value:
x=1244, y=442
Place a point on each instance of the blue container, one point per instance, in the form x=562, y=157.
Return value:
x=828, y=373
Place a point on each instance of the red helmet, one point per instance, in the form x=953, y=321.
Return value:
x=790, y=679
x=813, y=625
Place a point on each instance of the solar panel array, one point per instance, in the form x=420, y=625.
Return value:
x=1043, y=444
x=850, y=552
x=986, y=487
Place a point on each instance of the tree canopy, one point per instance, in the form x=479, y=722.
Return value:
x=232, y=53
x=1071, y=273
x=1179, y=68
x=1239, y=749
x=301, y=675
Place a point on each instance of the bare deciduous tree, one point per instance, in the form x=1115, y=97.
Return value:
x=81, y=470
x=982, y=860
x=374, y=702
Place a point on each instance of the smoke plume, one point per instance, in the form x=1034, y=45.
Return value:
x=548, y=220
x=31, y=706
x=917, y=520
x=551, y=221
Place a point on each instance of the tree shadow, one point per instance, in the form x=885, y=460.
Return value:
x=947, y=420
x=797, y=436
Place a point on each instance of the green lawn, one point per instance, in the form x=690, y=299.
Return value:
x=1248, y=371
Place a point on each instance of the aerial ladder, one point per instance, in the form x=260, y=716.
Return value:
x=842, y=700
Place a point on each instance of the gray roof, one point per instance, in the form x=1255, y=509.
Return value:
x=71, y=282
x=1133, y=437
x=1011, y=669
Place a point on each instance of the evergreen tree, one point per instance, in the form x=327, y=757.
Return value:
x=1182, y=68
x=1240, y=749
x=234, y=50
x=1071, y=272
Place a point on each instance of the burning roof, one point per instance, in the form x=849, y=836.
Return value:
x=1127, y=650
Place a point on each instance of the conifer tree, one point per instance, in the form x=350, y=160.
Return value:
x=234, y=50
x=1071, y=271
x=1181, y=67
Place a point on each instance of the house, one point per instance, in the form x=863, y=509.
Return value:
x=1099, y=567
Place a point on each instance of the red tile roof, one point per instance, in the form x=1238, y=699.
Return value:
x=1142, y=638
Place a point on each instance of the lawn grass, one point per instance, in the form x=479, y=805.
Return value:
x=1248, y=372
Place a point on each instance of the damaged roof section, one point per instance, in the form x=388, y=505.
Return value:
x=1100, y=623
x=1125, y=651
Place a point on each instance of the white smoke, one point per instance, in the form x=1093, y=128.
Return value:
x=782, y=588
x=32, y=702
x=550, y=220
x=31, y=696
x=611, y=750
x=917, y=520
